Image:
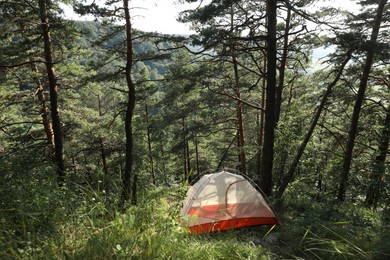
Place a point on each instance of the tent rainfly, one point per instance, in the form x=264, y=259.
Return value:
x=223, y=201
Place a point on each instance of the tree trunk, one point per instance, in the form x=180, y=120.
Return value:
x=102, y=149
x=74, y=165
x=45, y=113
x=265, y=180
x=378, y=167
x=239, y=110
x=261, y=124
x=197, y=156
x=358, y=104
x=163, y=158
x=283, y=64
x=188, y=158
x=129, y=179
x=320, y=166
x=240, y=122
x=290, y=174
x=279, y=92
x=149, y=136
x=104, y=157
x=56, y=122
x=225, y=153
x=185, y=161
x=290, y=95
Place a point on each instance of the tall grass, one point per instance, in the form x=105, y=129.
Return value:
x=84, y=222
x=151, y=230
x=332, y=230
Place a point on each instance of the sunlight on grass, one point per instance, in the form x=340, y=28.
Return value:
x=149, y=231
x=94, y=228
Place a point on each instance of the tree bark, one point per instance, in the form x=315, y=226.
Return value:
x=45, y=113
x=197, y=156
x=74, y=165
x=104, y=156
x=129, y=179
x=279, y=91
x=239, y=110
x=188, y=158
x=240, y=121
x=52, y=78
x=283, y=64
x=265, y=180
x=186, y=166
x=102, y=148
x=261, y=123
x=149, y=136
x=225, y=153
x=290, y=174
x=358, y=104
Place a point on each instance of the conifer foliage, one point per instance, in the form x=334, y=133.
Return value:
x=293, y=94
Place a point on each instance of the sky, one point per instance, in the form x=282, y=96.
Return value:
x=160, y=15
x=151, y=16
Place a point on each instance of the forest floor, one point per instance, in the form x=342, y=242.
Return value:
x=151, y=230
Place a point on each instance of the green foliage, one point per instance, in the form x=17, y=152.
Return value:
x=87, y=226
x=330, y=229
x=186, y=103
x=87, y=230
x=29, y=199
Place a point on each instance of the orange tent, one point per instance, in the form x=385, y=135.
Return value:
x=222, y=201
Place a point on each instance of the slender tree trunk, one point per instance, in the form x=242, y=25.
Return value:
x=102, y=148
x=290, y=96
x=188, y=158
x=129, y=179
x=162, y=156
x=239, y=109
x=149, y=136
x=104, y=156
x=378, y=167
x=240, y=121
x=358, y=104
x=56, y=122
x=291, y=171
x=267, y=159
x=279, y=92
x=320, y=166
x=74, y=165
x=197, y=156
x=261, y=123
x=45, y=113
x=283, y=64
x=226, y=152
x=185, y=161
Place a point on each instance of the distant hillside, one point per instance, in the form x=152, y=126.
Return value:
x=94, y=35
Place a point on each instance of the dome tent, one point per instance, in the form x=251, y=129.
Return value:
x=222, y=201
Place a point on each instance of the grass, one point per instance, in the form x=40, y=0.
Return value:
x=332, y=230
x=147, y=231
x=84, y=223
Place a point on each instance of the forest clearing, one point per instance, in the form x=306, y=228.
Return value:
x=108, y=134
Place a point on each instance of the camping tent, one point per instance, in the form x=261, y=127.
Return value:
x=222, y=201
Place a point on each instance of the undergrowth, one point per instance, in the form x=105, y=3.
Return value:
x=89, y=229
x=332, y=230
x=84, y=222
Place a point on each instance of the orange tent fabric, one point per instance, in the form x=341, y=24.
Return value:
x=222, y=201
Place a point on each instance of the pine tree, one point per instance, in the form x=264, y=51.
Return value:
x=347, y=160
